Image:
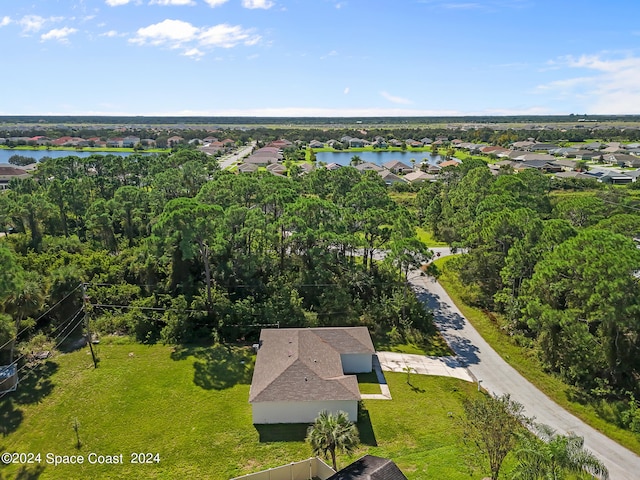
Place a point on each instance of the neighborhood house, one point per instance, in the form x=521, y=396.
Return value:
x=300, y=372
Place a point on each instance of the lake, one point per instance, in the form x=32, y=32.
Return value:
x=7, y=153
x=378, y=157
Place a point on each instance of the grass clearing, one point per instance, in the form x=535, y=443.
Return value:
x=428, y=239
x=523, y=360
x=190, y=406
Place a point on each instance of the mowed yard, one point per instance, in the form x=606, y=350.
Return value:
x=189, y=406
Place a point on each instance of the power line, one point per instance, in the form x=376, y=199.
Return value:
x=40, y=317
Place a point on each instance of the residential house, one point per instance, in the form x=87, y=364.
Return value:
x=114, y=142
x=300, y=372
x=9, y=172
x=174, y=141
x=277, y=169
x=394, y=142
x=333, y=166
x=370, y=467
x=368, y=166
x=410, y=142
x=247, y=168
x=396, y=166
x=419, y=177
x=574, y=174
x=566, y=164
x=357, y=143
x=616, y=178
x=316, y=144
x=130, y=141
x=426, y=141
x=450, y=163
x=622, y=160
x=390, y=178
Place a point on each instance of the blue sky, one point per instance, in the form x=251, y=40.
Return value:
x=319, y=57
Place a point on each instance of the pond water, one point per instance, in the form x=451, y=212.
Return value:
x=379, y=157
x=7, y=153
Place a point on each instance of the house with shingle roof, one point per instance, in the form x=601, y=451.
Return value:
x=370, y=467
x=396, y=166
x=8, y=172
x=300, y=372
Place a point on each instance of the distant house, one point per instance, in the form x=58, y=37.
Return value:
x=277, y=169
x=418, y=177
x=622, y=160
x=130, y=142
x=368, y=166
x=9, y=172
x=450, y=163
x=616, y=178
x=357, y=143
x=333, y=166
x=396, y=166
x=390, y=178
x=300, y=372
x=248, y=168
x=174, y=141
x=316, y=144
x=370, y=467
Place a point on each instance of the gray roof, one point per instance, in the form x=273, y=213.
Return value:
x=303, y=364
x=370, y=468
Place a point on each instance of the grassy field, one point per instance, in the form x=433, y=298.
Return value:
x=600, y=415
x=190, y=407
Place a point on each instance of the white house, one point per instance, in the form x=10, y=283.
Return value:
x=300, y=372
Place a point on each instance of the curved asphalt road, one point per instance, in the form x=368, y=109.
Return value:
x=498, y=377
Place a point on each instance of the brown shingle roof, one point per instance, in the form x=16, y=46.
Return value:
x=370, y=467
x=303, y=364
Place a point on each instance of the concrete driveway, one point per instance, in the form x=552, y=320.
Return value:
x=423, y=365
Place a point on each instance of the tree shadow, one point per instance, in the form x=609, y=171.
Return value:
x=219, y=366
x=29, y=473
x=365, y=428
x=282, y=432
x=35, y=383
x=416, y=389
x=10, y=416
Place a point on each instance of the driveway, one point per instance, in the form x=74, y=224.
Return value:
x=423, y=365
x=498, y=377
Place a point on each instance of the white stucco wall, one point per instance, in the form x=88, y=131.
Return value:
x=300, y=412
x=356, y=362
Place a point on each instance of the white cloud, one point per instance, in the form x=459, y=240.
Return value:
x=116, y=3
x=168, y=32
x=265, y=4
x=110, y=34
x=215, y=3
x=32, y=23
x=606, y=86
x=59, y=34
x=227, y=36
x=180, y=34
x=4, y=21
x=193, y=53
x=395, y=99
x=172, y=2
x=346, y=91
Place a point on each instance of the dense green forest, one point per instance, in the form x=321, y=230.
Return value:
x=170, y=248
x=173, y=249
x=556, y=264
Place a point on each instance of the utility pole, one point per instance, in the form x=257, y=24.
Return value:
x=85, y=302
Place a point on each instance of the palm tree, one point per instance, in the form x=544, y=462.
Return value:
x=332, y=432
x=553, y=457
x=355, y=161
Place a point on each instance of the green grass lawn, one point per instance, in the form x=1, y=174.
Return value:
x=523, y=360
x=190, y=407
x=427, y=238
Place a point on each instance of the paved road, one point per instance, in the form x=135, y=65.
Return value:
x=228, y=160
x=498, y=377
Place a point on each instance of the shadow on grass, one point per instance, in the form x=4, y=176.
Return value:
x=416, y=389
x=365, y=428
x=282, y=432
x=27, y=473
x=33, y=386
x=219, y=366
x=10, y=416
